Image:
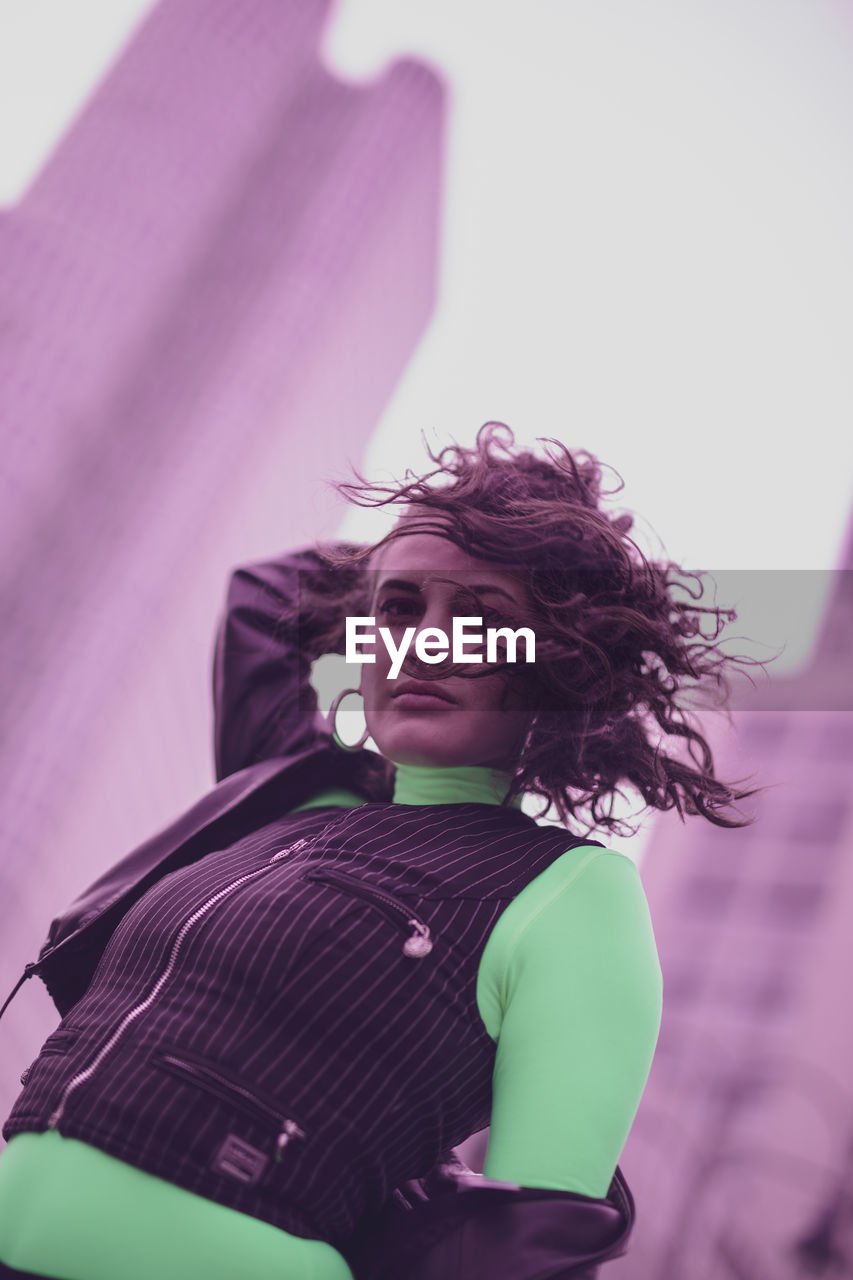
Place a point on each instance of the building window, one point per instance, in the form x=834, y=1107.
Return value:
x=707, y=894
x=818, y=822
x=761, y=733
x=792, y=902
x=772, y=991
x=835, y=738
x=682, y=984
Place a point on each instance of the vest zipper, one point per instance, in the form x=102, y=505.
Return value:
x=82, y=1076
x=205, y=1075
x=418, y=944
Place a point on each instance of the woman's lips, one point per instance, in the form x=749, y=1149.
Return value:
x=422, y=701
x=421, y=693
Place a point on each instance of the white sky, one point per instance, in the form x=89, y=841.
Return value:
x=647, y=246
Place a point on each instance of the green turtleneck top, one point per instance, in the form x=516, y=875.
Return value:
x=569, y=987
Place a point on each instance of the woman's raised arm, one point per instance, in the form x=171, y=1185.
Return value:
x=263, y=701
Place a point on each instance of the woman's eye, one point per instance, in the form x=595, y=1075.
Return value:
x=402, y=608
x=398, y=608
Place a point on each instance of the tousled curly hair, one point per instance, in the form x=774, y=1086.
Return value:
x=623, y=648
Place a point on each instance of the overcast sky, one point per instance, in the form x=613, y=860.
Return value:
x=647, y=247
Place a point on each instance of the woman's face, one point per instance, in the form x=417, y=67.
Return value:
x=416, y=582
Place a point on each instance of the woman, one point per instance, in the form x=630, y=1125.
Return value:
x=341, y=964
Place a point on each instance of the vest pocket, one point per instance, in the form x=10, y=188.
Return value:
x=418, y=941
x=59, y=1041
x=217, y=1082
x=56, y=1042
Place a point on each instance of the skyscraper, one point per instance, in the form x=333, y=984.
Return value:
x=741, y=1157
x=209, y=294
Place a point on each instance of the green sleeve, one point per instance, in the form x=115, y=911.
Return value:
x=570, y=988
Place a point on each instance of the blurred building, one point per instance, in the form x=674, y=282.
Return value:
x=741, y=1157
x=209, y=294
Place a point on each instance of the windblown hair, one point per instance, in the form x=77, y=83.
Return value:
x=623, y=648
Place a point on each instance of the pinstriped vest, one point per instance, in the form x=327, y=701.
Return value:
x=289, y=1026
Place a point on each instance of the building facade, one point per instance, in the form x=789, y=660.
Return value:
x=741, y=1157
x=210, y=292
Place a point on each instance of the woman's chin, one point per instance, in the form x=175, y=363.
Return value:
x=436, y=757
x=438, y=750
x=421, y=743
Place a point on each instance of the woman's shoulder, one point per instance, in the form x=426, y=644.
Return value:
x=590, y=897
x=590, y=875
x=587, y=914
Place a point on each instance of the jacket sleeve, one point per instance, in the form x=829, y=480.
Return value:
x=455, y=1225
x=263, y=701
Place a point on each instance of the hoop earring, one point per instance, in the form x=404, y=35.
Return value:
x=333, y=715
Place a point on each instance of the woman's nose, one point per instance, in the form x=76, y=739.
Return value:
x=438, y=617
x=435, y=622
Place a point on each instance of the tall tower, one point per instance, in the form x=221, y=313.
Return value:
x=209, y=294
x=741, y=1156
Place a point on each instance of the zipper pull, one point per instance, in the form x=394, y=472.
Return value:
x=290, y=1129
x=420, y=943
x=291, y=848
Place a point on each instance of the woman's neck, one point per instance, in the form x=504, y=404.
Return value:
x=463, y=784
